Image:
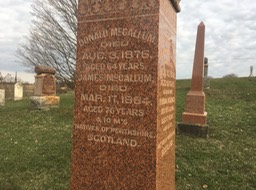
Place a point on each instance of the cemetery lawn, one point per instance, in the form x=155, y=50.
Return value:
x=35, y=149
x=35, y=146
x=227, y=159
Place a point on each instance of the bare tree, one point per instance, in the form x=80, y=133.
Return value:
x=52, y=38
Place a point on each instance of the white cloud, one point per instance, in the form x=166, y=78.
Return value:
x=230, y=36
x=14, y=19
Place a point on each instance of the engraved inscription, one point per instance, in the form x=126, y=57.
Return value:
x=91, y=97
x=115, y=69
x=101, y=7
x=120, y=111
x=115, y=66
x=119, y=131
x=116, y=55
x=117, y=32
x=166, y=144
x=48, y=85
x=106, y=134
x=166, y=102
x=131, y=78
x=112, y=140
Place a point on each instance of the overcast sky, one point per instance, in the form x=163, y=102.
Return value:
x=230, y=41
x=15, y=21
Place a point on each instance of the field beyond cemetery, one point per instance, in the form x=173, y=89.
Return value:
x=35, y=146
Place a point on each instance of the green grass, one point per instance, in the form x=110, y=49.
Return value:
x=35, y=146
x=227, y=160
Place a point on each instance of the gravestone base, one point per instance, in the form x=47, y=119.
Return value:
x=194, y=124
x=194, y=118
x=44, y=102
x=17, y=99
x=193, y=130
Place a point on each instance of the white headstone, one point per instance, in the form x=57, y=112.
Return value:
x=2, y=97
x=18, y=91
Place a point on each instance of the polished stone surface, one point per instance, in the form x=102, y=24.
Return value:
x=124, y=117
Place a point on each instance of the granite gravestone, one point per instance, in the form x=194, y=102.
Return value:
x=124, y=117
x=2, y=97
x=45, y=89
x=206, y=79
x=18, y=91
x=194, y=119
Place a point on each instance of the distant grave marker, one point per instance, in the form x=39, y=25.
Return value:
x=18, y=91
x=206, y=79
x=124, y=117
x=251, y=71
x=2, y=97
x=45, y=89
x=45, y=82
x=194, y=119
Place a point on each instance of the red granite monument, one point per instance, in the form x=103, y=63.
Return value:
x=124, y=115
x=194, y=119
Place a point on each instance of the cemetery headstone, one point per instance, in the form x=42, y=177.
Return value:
x=206, y=79
x=18, y=91
x=45, y=89
x=251, y=71
x=194, y=119
x=2, y=97
x=124, y=115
